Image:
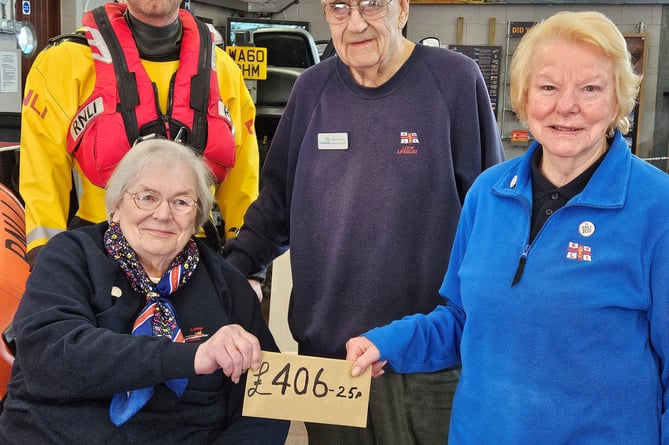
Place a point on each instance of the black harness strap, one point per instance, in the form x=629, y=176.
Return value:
x=76, y=37
x=200, y=90
x=125, y=80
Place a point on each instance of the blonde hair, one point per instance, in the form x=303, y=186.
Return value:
x=165, y=153
x=589, y=27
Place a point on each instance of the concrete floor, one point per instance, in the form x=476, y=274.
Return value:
x=297, y=435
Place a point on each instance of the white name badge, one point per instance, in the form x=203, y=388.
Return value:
x=333, y=141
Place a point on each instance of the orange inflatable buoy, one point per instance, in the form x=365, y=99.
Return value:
x=14, y=270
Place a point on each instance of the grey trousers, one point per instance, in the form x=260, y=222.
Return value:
x=404, y=409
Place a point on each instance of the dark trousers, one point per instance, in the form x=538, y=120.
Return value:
x=404, y=409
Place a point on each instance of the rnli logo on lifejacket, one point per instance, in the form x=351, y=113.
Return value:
x=85, y=116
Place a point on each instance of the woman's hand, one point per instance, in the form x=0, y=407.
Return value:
x=364, y=353
x=231, y=349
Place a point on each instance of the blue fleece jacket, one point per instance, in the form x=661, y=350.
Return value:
x=573, y=353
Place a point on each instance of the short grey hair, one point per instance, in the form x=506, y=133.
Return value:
x=146, y=154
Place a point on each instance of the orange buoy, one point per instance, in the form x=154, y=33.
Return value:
x=13, y=272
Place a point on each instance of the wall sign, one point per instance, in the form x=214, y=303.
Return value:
x=487, y=58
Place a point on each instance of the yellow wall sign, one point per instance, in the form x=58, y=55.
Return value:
x=309, y=389
x=251, y=60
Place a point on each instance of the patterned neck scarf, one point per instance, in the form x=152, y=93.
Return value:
x=158, y=318
x=179, y=272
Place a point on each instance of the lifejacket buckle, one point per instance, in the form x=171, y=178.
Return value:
x=180, y=135
x=145, y=138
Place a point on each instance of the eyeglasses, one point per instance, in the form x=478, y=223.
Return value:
x=338, y=13
x=148, y=200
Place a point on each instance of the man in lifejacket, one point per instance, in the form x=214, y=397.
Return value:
x=145, y=68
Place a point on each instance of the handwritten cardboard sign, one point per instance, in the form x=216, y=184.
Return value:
x=308, y=389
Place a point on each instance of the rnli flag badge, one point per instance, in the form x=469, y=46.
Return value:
x=579, y=252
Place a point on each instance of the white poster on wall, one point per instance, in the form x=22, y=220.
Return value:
x=9, y=72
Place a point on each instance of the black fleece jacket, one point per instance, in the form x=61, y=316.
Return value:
x=75, y=351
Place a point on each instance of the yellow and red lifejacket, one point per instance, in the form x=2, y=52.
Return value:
x=124, y=105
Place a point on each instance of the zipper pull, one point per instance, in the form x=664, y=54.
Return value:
x=168, y=134
x=521, y=265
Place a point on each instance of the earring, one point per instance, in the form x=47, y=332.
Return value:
x=611, y=131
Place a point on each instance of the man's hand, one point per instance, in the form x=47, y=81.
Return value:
x=364, y=353
x=231, y=349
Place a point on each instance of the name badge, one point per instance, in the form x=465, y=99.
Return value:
x=333, y=141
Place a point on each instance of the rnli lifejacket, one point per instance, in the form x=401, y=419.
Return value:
x=124, y=105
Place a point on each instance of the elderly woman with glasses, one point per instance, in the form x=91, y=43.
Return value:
x=133, y=331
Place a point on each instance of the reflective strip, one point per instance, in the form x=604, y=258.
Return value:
x=42, y=232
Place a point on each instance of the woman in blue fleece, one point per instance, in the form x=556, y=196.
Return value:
x=558, y=285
